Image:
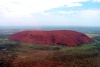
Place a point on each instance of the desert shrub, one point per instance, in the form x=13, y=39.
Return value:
x=45, y=47
x=60, y=56
x=7, y=59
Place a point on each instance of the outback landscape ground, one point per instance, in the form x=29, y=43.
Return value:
x=22, y=54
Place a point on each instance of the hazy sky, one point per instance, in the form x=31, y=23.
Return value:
x=50, y=12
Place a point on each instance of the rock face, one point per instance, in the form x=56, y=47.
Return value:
x=55, y=37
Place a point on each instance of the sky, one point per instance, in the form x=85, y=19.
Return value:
x=50, y=13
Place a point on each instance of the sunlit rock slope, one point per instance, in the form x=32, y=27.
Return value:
x=54, y=37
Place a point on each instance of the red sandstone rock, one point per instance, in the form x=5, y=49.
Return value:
x=55, y=37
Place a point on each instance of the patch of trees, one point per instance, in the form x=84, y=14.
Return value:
x=97, y=38
x=2, y=36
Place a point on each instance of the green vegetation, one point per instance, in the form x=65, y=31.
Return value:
x=97, y=38
x=4, y=36
x=17, y=54
x=44, y=47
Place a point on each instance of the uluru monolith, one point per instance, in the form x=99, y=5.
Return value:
x=54, y=37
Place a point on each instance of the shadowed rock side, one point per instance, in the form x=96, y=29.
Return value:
x=55, y=37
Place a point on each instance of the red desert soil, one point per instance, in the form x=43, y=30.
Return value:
x=54, y=37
